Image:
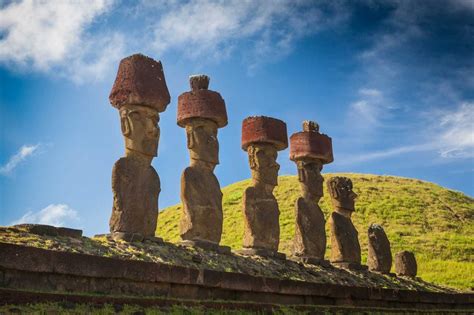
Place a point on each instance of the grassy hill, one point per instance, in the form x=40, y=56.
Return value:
x=434, y=222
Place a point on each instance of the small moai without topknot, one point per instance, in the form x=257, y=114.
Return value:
x=201, y=112
x=262, y=138
x=345, y=247
x=140, y=94
x=310, y=150
x=379, y=257
x=405, y=264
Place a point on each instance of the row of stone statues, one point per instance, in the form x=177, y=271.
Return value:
x=140, y=93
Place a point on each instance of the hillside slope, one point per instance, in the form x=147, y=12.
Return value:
x=434, y=222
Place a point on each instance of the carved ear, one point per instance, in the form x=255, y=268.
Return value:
x=332, y=188
x=125, y=123
x=252, y=159
x=301, y=175
x=190, y=138
x=335, y=190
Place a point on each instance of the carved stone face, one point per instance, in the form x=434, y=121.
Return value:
x=342, y=196
x=309, y=175
x=262, y=160
x=140, y=129
x=202, y=140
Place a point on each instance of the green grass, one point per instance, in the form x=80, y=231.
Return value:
x=434, y=222
x=112, y=309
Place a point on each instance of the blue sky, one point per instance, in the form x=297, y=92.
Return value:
x=392, y=83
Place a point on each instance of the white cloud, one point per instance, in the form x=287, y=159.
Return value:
x=450, y=134
x=22, y=154
x=47, y=35
x=211, y=28
x=54, y=214
x=455, y=134
x=95, y=58
x=369, y=110
x=63, y=38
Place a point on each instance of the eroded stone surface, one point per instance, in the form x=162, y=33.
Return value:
x=201, y=103
x=379, y=254
x=345, y=247
x=310, y=151
x=241, y=267
x=405, y=264
x=260, y=207
x=262, y=129
x=261, y=219
x=49, y=230
x=206, y=245
x=310, y=234
x=140, y=93
x=310, y=144
x=199, y=82
x=201, y=196
x=136, y=188
x=263, y=252
x=140, y=81
x=201, y=112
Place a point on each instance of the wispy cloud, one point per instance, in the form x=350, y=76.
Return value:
x=387, y=153
x=371, y=108
x=211, y=28
x=451, y=134
x=22, y=154
x=410, y=94
x=455, y=134
x=64, y=38
x=50, y=36
x=54, y=214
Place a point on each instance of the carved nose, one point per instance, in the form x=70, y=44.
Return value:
x=212, y=139
x=154, y=132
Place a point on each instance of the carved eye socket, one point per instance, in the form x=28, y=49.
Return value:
x=134, y=115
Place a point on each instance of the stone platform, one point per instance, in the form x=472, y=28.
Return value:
x=56, y=272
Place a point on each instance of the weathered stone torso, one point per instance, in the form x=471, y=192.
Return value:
x=345, y=245
x=310, y=235
x=136, y=187
x=261, y=219
x=405, y=264
x=379, y=254
x=202, y=204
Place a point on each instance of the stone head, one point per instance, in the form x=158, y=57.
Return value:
x=202, y=140
x=310, y=178
x=140, y=129
x=262, y=160
x=342, y=196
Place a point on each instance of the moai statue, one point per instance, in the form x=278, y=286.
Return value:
x=262, y=138
x=405, y=264
x=310, y=150
x=201, y=112
x=345, y=248
x=140, y=94
x=379, y=258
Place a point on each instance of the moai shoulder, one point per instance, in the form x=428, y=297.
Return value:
x=345, y=247
x=405, y=264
